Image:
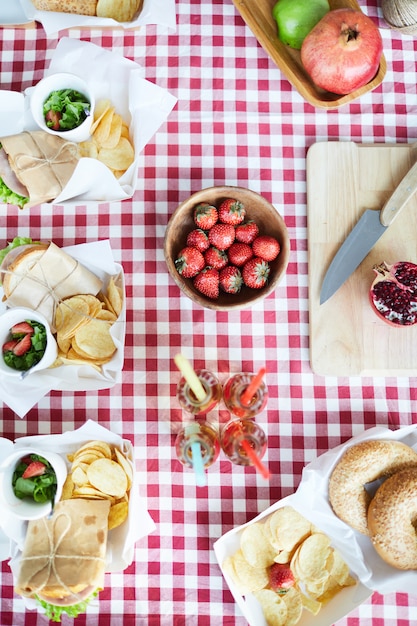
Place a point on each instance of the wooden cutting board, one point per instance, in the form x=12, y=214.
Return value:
x=346, y=336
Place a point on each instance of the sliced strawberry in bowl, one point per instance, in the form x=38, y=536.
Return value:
x=23, y=346
x=22, y=328
x=9, y=346
x=35, y=468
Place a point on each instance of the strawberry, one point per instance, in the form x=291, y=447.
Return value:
x=281, y=577
x=35, y=468
x=189, y=262
x=230, y=279
x=205, y=215
x=266, y=247
x=231, y=212
x=9, y=346
x=222, y=236
x=247, y=232
x=215, y=258
x=23, y=346
x=52, y=119
x=239, y=253
x=207, y=282
x=255, y=273
x=197, y=238
x=22, y=328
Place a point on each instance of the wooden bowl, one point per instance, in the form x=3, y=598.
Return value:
x=258, y=16
x=259, y=210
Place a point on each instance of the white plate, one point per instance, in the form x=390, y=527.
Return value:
x=11, y=12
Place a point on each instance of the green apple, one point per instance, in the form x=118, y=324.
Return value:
x=296, y=18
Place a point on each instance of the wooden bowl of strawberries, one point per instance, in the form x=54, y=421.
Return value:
x=226, y=247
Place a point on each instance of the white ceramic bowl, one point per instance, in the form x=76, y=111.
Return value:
x=55, y=82
x=27, y=508
x=14, y=316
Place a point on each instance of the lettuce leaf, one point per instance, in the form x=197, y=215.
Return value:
x=17, y=241
x=54, y=613
x=7, y=196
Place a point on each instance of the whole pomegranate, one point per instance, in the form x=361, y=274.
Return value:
x=393, y=293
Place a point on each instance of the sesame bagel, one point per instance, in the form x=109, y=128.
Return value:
x=361, y=464
x=392, y=517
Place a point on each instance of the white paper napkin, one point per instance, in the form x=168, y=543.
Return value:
x=22, y=395
x=159, y=12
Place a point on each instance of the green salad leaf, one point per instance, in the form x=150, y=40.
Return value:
x=7, y=196
x=54, y=612
x=40, y=488
x=17, y=241
x=66, y=109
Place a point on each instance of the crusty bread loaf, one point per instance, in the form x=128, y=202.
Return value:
x=82, y=7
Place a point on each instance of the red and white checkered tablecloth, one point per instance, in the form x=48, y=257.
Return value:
x=237, y=121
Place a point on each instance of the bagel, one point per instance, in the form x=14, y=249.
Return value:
x=392, y=518
x=361, y=464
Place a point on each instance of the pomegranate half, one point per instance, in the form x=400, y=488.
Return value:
x=393, y=293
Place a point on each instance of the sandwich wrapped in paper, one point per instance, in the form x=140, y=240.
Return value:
x=38, y=163
x=119, y=10
x=64, y=557
x=39, y=276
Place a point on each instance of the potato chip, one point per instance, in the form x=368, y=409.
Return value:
x=115, y=297
x=273, y=607
x=126, y=465
x=114, y=132
x=255, y=546
x=247, y=578
x=118, y=158
x=292, y=599
x=118, y=514
x=102, y=446
x=94, y=340
x=100, y=110
x=79, y=477
x=313, y=555
x=108, y=476
x=87, y=149
x=87, y=491
x=70, y=314
x=67, y=488
x=288, y=528
x=310, y=604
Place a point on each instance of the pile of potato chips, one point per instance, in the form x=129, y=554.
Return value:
x=110, y=141
x=100, y=471
x=287, y=537
x=83, y=324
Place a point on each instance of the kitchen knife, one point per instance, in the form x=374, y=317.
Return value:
x=365, y=234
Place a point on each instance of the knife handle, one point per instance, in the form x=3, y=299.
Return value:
x=399, y=197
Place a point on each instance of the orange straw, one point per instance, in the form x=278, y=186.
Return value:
x=264, y=471
x=252, y=388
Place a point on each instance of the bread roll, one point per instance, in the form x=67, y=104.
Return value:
x=82, y=7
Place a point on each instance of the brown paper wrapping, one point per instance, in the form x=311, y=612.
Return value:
x=66, y=553
x=56, y=275
x=44, y=163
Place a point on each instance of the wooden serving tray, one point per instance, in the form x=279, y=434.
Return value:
x=343, y=179
x=258, y=16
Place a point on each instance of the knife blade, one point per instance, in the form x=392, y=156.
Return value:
x=364, y=235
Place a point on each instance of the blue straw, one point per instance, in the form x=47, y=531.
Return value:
x=198, y=464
